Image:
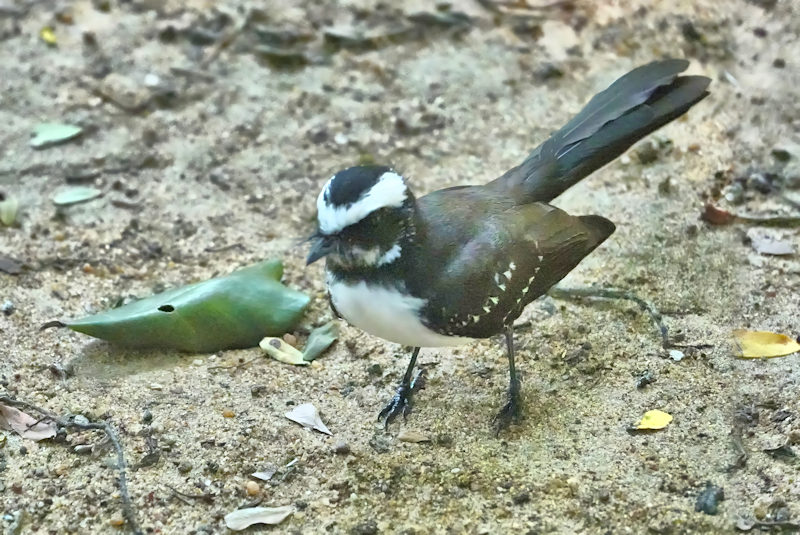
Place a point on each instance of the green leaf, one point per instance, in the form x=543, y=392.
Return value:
x=320, y=339
x=230, y=312
x=75, y=195
x=49, y=134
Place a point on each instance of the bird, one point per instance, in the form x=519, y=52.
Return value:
x=462, y=263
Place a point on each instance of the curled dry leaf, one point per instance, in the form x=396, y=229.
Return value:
x=308, y=416
x=654, y=419
x=717, y=216
x=244, y=518
x=764, y=344
x=25, y=425
x=278, y=349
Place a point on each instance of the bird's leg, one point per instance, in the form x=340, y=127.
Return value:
x=558, y=292
x=512, y=410
x=401, y=402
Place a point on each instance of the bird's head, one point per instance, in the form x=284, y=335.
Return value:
x=363, y=215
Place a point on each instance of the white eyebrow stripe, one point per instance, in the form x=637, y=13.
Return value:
x=389, y=191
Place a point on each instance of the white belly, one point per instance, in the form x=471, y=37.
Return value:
x=387, y=313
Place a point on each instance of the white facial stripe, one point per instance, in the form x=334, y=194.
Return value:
x=388, y=191
x=373, y=256
x=369, y=256
x=391, y=255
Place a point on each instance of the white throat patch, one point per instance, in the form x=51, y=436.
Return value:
x=389, y=191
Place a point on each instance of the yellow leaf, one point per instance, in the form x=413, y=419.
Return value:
x=654, y=419
x=48, y=35
x=278, y=349
x=764, y=344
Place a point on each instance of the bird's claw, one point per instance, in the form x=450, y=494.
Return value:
x=511, y=411
x=401, y=402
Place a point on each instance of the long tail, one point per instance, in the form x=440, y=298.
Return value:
x=636, y=104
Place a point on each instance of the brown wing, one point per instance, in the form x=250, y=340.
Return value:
x=514, y=257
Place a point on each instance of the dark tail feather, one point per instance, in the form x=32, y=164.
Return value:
x=632, y=107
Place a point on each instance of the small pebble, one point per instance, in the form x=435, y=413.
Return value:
x=522, y=497
x=185, y=467
x=227, y=413
x=290, y=339
x=116, y=521
x=80, y=419
x=341, y=448
x=676, y=355
x=147, y=417
x=156, y=386
x=708, y=500
x=252, y=488
x=8, y=308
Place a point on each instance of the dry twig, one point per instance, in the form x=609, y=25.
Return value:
x=69, y=422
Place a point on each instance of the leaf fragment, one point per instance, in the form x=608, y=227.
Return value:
x=266, y=474
x=764, y=344
x=412, y=436
x=230, y=312
x=9, y=265
x=9, y=208
x=320, y=339
x=48, y=35
x=768, y=245
x=49, y=134
x=75, y=195
x=308, y=416
x=244, y=518
x=24, y=424
x=654, y=419
x=278, y=349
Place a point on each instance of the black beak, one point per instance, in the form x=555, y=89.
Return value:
x=322, y=246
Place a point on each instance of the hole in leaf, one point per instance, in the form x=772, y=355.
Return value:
x=166, y=308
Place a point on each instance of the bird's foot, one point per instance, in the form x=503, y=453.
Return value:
x=401, y=403
x=511, y=411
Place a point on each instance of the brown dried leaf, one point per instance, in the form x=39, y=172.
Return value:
x=25, y=425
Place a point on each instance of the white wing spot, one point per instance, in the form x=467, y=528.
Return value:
x=476, y=318
x=494, y=300
x=487, y=309
x=513, y=266
x=540, y=258
x=507, y=274
x=502, y=287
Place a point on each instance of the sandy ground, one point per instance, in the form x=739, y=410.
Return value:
x=217, y=165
